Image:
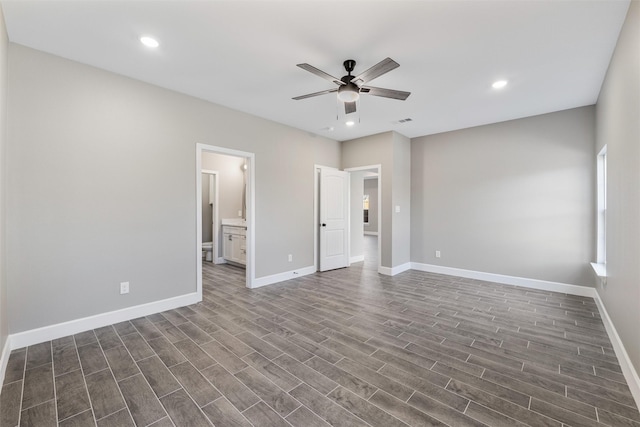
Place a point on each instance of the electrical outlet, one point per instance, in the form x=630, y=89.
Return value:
x=397, y=208
x=290, y=257
x=124, y=288
x=437, y=254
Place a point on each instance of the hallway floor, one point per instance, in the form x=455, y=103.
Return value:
x=347, y=347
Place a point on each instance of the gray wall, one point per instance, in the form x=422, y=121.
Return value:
x=393, y=152
x=357, y=220
x=371, y=188
x=513, y=198
x=78, y=198
x=618, y=126
x=4, y=324
x=401, y=197
x=374, y=150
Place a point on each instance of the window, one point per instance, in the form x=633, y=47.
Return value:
x=600, y=266
x=365, y=206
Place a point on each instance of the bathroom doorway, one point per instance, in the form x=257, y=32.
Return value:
x=228, y=178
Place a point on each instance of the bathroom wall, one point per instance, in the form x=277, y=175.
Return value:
x=230, y=182
x=371, y=188
x=230, y=189
x=207, y=209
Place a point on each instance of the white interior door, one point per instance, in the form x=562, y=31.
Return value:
x=334, y=219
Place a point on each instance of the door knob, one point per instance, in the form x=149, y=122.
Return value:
x=324, y=225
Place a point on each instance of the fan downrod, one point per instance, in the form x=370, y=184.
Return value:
x=349, y=65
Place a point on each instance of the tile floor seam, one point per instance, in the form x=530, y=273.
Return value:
x=108, y=415
x=75, y=415
x=84, y=380
x=143, y=377
x=114, y=379
x=158, y=421
x=24, y=374
x=273, y=383
x=198, y=408
x=38, y=404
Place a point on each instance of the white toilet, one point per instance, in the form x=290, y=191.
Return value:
x=207, y=248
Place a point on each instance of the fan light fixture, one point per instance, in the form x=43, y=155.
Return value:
x=348, y=93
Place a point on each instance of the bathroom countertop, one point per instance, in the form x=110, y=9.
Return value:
x=236, y=222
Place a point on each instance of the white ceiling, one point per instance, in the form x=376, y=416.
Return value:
x=243, y=54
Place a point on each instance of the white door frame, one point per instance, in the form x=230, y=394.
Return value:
x=216, y=249
x=251, y=202
x=379, y=168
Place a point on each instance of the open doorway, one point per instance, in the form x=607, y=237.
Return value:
x=360, y=247
x=229, y=204
x=365, y=217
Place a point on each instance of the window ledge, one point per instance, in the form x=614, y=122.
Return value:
x=599, y=269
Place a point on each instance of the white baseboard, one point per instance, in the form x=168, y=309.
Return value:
x=356, y=258
x=4, y=359
x=628, y=370
x=507, y=280
x=371, y=233
x=48, y=333
x=281, y=277
x=220, y=260
x=392, y=271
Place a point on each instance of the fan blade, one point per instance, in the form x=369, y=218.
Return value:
x=386, y=93
x=350, y=107
x=309, y=95
x=320, y=73
x=377, y=70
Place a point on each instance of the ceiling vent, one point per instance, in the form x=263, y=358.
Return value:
x=405, y=120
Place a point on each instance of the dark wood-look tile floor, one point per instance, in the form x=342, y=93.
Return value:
x=342, y=348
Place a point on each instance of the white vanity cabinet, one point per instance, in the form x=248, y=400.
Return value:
x=234, y=244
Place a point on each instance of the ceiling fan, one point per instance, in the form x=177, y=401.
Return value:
x=350, y=87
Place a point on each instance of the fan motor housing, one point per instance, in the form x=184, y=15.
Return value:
x=349, y=65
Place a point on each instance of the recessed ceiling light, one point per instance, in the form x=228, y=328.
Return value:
x=499, y=84
x=149, y=41
x=350, y=123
